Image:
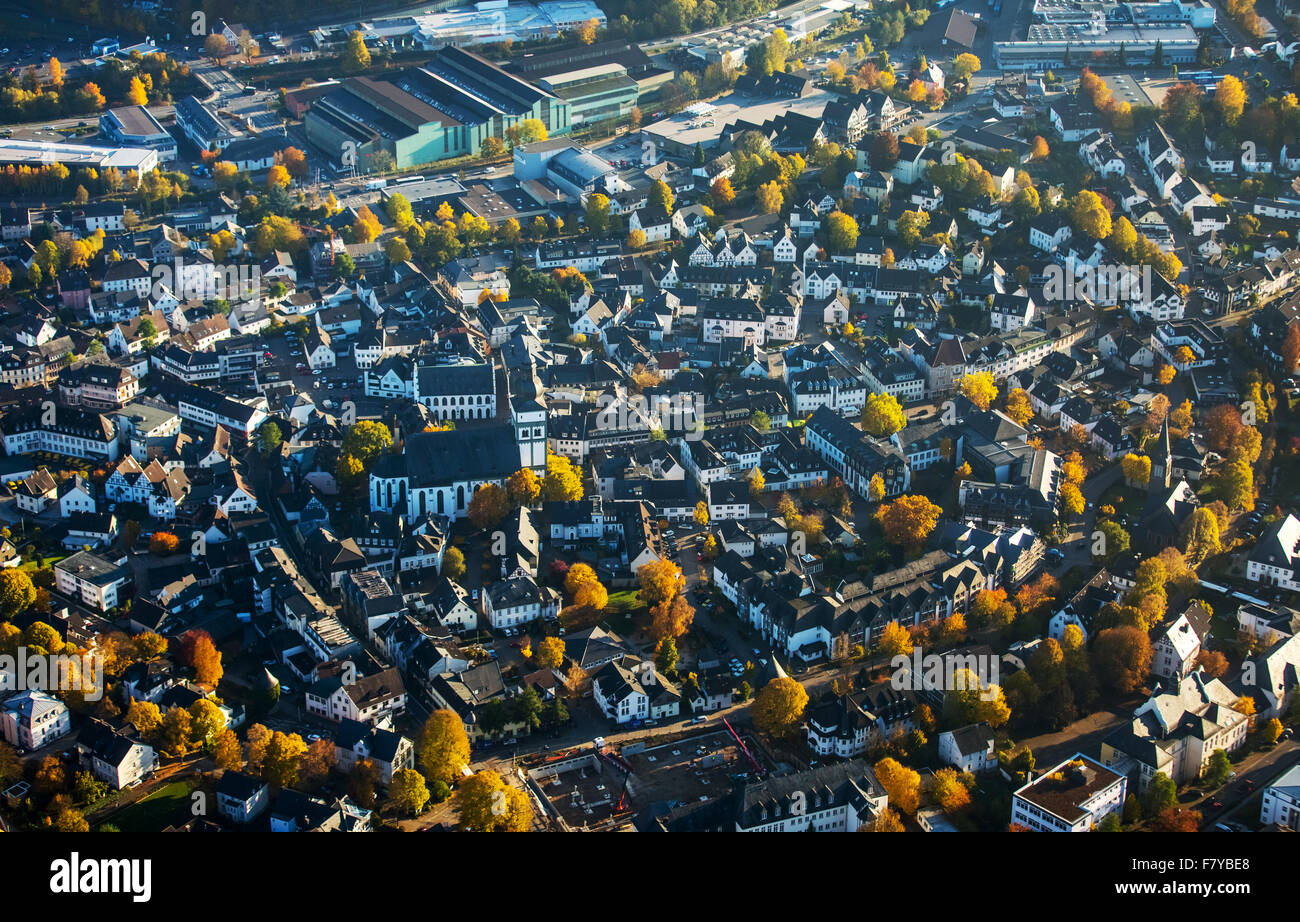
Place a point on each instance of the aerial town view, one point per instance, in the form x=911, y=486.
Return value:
x=609, y=416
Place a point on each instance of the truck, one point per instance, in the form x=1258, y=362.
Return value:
x=374, y=184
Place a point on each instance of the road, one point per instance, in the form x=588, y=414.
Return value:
x=1253, y=774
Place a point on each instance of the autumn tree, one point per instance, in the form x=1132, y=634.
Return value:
x=883, y=415
x=777, y=709
x=283, y=756
x=549, y=654
x=659, y=581
x=980, y=389
x=770, y=198
x=948, y=791
x=1121, y=658
x=17, y=592
x=1200, y=534
x=671, y=618
x=489, y=505
x=902, y=784
x=1019, y=408
x=356, y=56
x=1137, y=469
x=207, y=661
x=562, y=481
x=453, y=563
x=487, y=804
x=908, y=520
x=442, y=749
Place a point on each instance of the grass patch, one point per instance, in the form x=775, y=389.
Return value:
x=153, y=812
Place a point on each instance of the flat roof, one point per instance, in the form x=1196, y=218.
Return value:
x=137, y=120
x=13, y=150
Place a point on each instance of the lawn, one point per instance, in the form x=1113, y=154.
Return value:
x=624, y=610
x=152, y=813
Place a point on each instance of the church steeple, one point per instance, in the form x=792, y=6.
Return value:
x=1162, y=458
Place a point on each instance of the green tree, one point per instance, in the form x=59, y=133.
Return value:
x=269, y=438
x=1161, y=794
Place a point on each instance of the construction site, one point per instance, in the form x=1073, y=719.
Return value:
x=595, y=788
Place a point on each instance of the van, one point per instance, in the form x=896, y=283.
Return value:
x=374, y=184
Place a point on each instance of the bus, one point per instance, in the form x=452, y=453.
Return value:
x=404, y=180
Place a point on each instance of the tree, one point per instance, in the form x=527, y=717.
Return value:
x=1230, y=99
x=1235, y=485
x=671, y=617
x=883, y=415
x=902, y=784
x=965, y=65
x=145, y=716
x=1291, y=349
x=777, y=709
x=886, y=821
x=636, y=240
x=366, y=440
x=523, y=487
x=1089, y=215
x=549, y=654
x=659, y=581
x=407, y=794
x=356, y=56
x=895, y=640
x=1271, y=731
x=722, y=192
x=317, y=764
x=770, y=198
x=756, y=482
x=489, y=505
x=1018, y=406
x=207, y=721
x=283, y=756
x=841, y=232
x=1161, y=794
x=226, y=752
x=701, y=514
x=1115, y=540
x=948, y=791
x=908, y=521
x=661, y=194
x=442, y=750
x=1121, y=658
x=1176, y=819
x=597, y=214
x=1201, y=534
x=207, y=661
x=269, y=438
x=258, y=739
x=16, y=592
x=453, y=563
x=1137, y=469
x=876, y=488
x=1072, y=501
x=578, y=575
x=562, y=481
x=1218, y=769
x=911, y=224
x=488, y=804
x=980, y=389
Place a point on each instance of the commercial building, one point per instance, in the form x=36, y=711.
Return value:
x=441, y=110
x=1049, y=44
x=486, y=22
x=1071, y=797
x=77, y=156
x=572, y=168
x=601, y=81
x=135, y=126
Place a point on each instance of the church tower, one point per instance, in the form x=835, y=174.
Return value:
x=1162, y=458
